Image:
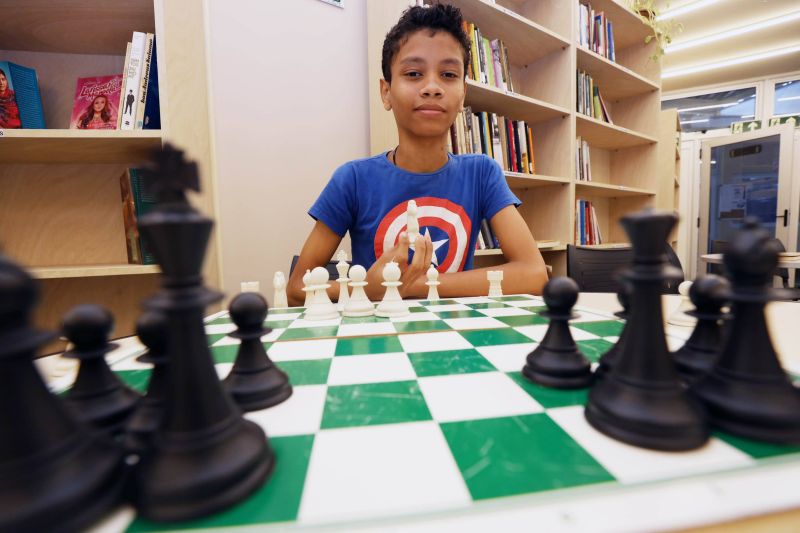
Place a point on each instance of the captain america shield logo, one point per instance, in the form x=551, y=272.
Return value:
x=447, y=224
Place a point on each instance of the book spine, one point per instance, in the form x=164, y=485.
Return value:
x=122, y=91
x=487, y=54
x=499, y=76
x=497, y=146
x=476, y=68
x=28, y=97
x=133, y=76
x=144, y=203
x=523, y=143
x=611, y=55
x=513, y=154
x=531, y=158
x=518, y=146
x=487, y=237
x=145, y=81
x=129, y=220
x=501, y=121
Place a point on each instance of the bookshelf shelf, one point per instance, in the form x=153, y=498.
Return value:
x=88, y=271
x=527, y=41
x=604, y=135
x=517, y=180
x=616, y=82
x=482, y=97
x=61, y=27
x=542, y=248
x=608, y=245
x=608, y=190
x=489, y=251
x=629, y=30
x=77, y=146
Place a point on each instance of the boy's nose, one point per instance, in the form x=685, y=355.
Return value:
x=432, y=89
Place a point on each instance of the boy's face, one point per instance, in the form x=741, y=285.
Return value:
x=428, y=87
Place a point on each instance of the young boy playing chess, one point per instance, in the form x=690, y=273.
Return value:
x=425, y=57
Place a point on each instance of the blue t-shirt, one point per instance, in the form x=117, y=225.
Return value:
x=368, y=197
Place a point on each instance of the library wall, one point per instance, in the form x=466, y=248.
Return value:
x=289, y=104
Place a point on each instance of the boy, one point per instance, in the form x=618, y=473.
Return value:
x=425, y=57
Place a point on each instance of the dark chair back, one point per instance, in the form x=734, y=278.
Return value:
x=333, y=274
x=720, y=247
x=671, y=286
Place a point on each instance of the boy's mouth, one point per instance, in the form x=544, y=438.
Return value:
x=430, y=109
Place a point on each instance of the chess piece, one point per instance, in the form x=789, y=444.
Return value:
x=698, y=354
x=679, y=317
x=412, y=223
x=56, y=475
x=392, y=304
x=608, y=359
x=746, y=392
x=641, y=400
x=359, y=304
x=254, y=381
x=342, y=267
x=557, y=361
x=433, y=282
x=320, y=307
x=495, y=278
x=307, y=289
x=97, y=397
x=151, y=328
x=279, y=298
x=204, y=455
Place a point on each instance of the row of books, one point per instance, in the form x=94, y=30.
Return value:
x=509, y=142
x=587, y=229
x=590, y=99
x=486, y=237
x=490, y=62
x=136, y=202
x=595, y=32
x=138, y=100
x=583, y=161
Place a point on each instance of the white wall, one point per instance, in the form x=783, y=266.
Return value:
x=289, y=104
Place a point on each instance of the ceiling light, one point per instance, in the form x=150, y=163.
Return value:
x=748, y=116
x=702, y=107
x=694, y=121
x=686, y=8
x=735, y=32
x=787, y=98
x=729, y=62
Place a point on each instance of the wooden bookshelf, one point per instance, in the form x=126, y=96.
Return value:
x=541, y=38
x=60, y=209
x=77, y=146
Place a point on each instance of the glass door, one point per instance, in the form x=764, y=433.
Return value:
x=747, y=174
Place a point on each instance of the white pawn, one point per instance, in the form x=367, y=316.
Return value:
x=432, y=283
x=495, y=278
x=358, y=304
x=279, y=299
x=321, y=307
x=342, y=268
x=309, y=292
x=412, y=223
x=679, y=316
x=392, y=304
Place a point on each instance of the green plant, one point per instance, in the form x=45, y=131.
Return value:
x=663, y=30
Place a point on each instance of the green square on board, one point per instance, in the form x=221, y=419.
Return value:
x=278, y=500
x=486, y=305
x=135, y=379
x=308, y=372
x=421, y=326
x=319, y=332
x=516, y=321
x=601, y=328
x=755, y=449
x=593, y=349
x=514, y=298
x=346, y=320
x=278, y=324
x=368, y=345
x=449, y=362
x=493, y=337
x=221, y=320
x=519, y=454
x=550, y=397
x=374, y=403
x=465, y=313
x=214, y=337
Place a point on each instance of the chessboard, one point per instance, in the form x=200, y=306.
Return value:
x=427, y=420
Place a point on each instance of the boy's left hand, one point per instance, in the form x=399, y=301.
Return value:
x=412, y=274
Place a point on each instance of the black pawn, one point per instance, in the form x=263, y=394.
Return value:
x=254, y=381
x=151, y=328
x=557, y=361
x=747, y=393
x=700, y=352
x=97, y=397
x=54, y=474
x=608, y=359
x=641, y=400
x=204, y=456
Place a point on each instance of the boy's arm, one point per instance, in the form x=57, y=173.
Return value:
x=317, y=251
x=524, y=273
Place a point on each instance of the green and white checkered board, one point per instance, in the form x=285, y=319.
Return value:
x=429, y=414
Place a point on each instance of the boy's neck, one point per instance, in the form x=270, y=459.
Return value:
x=420, y=155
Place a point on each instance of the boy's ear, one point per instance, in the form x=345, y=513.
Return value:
x=387, y=104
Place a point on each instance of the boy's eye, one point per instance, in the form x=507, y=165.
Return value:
x=413, y=74
x=450, y=75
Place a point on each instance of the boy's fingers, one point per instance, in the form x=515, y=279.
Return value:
x=428, y=252
x=401, y=256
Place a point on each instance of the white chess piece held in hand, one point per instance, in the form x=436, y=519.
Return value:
x=412, y=223
x=412, y=275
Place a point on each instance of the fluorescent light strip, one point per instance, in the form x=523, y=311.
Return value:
x=729, y=62
x=686, y=8
x=787, y=98
x=735, y=32
x=702, y=107
x=748, y=116
x=694, y=121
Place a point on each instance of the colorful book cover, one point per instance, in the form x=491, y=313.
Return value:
x=144, y=83
x=20, y=99
x=95, y=103
x=133, y=77
x=152, y=105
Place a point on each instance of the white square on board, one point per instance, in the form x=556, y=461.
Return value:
x=303, y=323
x=301, y=414
x=478, y=322
x=447, y=307
x=433, y=342
x=370, y=328
x=506, y=311
x=372, y=368
x=538, y=331
x=507, y=357
x=300, y=350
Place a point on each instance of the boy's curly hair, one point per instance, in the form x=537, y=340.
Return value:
x=435, y=17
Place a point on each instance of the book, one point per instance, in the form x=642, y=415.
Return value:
x=144, y=84
x=143, y=203
x=20, y=99
x=129, y=220
x=95, y=106
x=133, y=76
x=122, y=89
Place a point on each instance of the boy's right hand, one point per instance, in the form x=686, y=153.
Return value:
x=412, y=275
